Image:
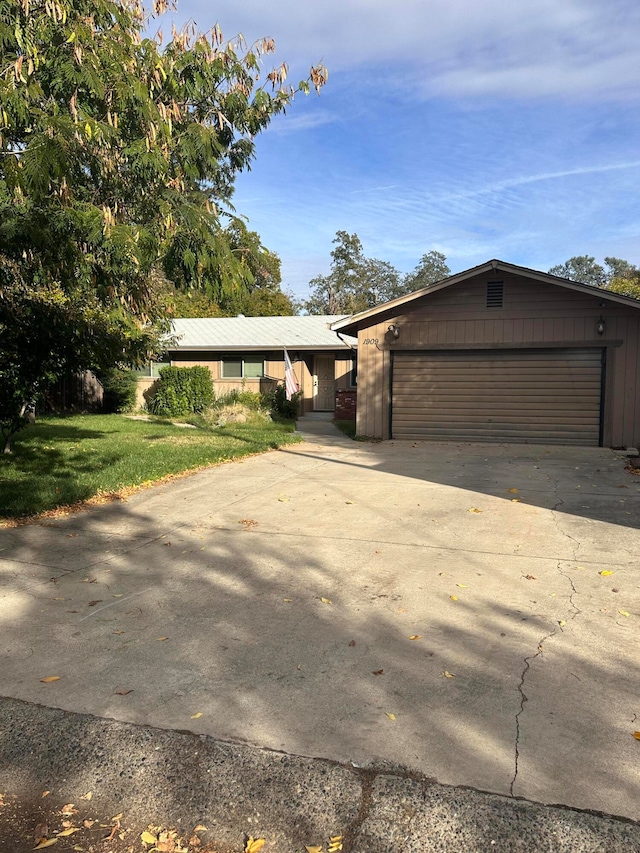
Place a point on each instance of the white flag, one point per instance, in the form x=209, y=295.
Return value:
x=290, y=384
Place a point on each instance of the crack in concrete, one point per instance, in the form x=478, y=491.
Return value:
x=523, y=700
x=527, y=661
x=367, y=778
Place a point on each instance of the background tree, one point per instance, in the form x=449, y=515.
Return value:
x=117, y=157
x=432, y=267
x=584, y=268
x=356, y=282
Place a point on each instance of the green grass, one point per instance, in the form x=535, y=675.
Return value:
x=347, y=427
x=62, y=460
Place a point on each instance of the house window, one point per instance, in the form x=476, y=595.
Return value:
x=234, y=367
x=495, y=292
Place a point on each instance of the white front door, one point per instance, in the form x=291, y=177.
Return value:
x=324, y=383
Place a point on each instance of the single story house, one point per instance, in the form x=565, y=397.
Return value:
x=248, y=353
x=500, y=353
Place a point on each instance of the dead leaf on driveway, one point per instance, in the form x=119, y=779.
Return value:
x=605, y=573
x=530, y=577
x=93, y=603
x=391, y=716
x=326, y=600
x=636, y=735
x=623, y=613
x=50, y=678
x=415, y=637
x=474, y=509
x=514, y=491
x=378, y=671
x=448, y=674
x=87, y=796
x=46, y=842
x=248, y=523
x=196, y=716
x=253, y=845
x=123, y=692
x=453, y=597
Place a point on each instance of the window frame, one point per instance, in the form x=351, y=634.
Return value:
x=259, y=358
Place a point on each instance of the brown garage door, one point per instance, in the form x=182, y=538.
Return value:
x=542, y=396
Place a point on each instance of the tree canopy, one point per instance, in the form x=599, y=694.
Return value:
x=117, y=161
x=356, y=282
x=617, y=275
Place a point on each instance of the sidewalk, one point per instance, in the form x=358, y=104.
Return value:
x=179, y=780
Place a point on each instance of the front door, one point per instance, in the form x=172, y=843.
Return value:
x=324, y=383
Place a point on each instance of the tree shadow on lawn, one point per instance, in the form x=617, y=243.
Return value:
x=305, y=645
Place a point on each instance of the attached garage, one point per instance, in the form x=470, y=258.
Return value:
x=543, y=396
x=500, y=353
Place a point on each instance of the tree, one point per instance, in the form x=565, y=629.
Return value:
x=584, y=268
x=117, y=157
x=432, y=267
x=356, y=283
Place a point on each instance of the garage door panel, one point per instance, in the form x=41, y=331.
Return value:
x=542, y=396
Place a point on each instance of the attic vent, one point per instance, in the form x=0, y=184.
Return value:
x=494, y=294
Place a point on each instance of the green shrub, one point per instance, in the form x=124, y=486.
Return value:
x=283, y=407
x=251, y=399
x=119, y=390
x=182, y=391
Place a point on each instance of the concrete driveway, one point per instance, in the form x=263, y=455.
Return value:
x=470, y=612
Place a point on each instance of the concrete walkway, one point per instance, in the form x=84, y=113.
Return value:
x=466, y=614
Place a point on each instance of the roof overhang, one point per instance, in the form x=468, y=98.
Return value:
x=339, y=347
x=350, y=325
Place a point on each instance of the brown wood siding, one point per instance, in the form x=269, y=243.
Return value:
x=538, y=396
x=534, y=314
x=274, y=368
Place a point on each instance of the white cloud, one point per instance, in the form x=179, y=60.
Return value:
x=452, y=47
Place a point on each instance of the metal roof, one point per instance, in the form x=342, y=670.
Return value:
x=253, y=333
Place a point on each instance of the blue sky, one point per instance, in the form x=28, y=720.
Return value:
x=480, y=128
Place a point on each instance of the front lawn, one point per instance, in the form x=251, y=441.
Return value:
x=62, y=460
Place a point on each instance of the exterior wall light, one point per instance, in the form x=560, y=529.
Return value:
x=394, y=330
x=601, y=325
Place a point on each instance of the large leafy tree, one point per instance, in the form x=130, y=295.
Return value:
x=117, y=158
x=356, y=282
x=585, y=269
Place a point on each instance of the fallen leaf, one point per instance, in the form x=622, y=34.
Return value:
x=46, y=793
x=453, y=597
x=69, y=809
x=87, y=796
x=516, y=501
x=448, y=674
x=41, y=831
x=378, y=671
x=196, y=716
x=309, y=849
x=605, y=573
x=118, y=594
x=462, y=585
x=514, y=491
x=117, y=632
x=636, y=735
x=93, y=603
x=123, y=692
x=161, y=639
x=88, y=823
x=335, y=844
x=562, y=623
x=254, y=844
x=148, y=838
x=200, y=828
x=166, y=544
x=70, y=831
x=326, y=601
x=530, y=577
x=415, y=637
x=352, y=643
x=474, y=509
x=117, y=817
x=623, y=613
x=288, y=600
x=46, y=843
x=391, y=716
x=50, y=678
x=350, y=502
